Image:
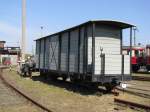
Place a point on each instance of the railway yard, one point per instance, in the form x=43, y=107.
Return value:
x=59, y=96
x=10, y=101
x=98, y=65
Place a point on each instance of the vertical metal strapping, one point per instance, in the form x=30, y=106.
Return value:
x=68, y=52
x=122, y=56
x=122, y=70
x=49, y=65
x=39, y=52
x=79, y=44
x=130, y=50
x=36, y=52
x=102, y=64
x=44, y=53
x=93, y=48
x=85, y=51
x=59, y=52
x=121, y=42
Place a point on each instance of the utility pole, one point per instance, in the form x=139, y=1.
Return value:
x=32, y=50
x=23, y=40
x=134, y=31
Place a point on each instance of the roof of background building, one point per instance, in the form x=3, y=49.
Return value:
x=2, y=41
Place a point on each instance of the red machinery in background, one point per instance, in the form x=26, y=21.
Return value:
x=138, y=58
x=148, y=57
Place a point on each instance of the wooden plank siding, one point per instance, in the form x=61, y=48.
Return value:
x=42, y=54
x=64, y=51
x=81, y=49
x=107, y=38
x=37, y=54
x=73, y=58
x=53, y=52
x=47, y=48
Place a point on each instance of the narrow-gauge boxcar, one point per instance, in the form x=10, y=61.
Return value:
x=90, y=52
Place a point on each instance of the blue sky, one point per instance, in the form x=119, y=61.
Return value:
x=56, y=15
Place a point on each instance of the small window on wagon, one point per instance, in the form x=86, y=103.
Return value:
x=137, y=54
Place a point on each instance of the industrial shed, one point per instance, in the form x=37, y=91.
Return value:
x=90, y=52
x=9, y=55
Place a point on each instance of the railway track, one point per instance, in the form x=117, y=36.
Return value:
x=141, y=78
x=22, y=94
x=61, y=82
x=132, y=104
x=136, y=93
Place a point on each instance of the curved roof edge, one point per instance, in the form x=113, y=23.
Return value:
x=119, y=24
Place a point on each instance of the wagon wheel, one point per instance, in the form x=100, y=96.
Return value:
x=64, y=78
x=71, y=78
x=53, y=77
x=24, y=74
x=74, y=79
x=108, y=87
x=135, y=68
x=42, y=74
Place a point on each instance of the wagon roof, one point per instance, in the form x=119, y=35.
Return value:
x=119, y=24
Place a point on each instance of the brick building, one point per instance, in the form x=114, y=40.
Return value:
x=9, y=55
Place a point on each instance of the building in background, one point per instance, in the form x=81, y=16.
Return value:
x=2, y=44
x=9, y=55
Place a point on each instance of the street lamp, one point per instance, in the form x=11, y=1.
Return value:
x=41, y=31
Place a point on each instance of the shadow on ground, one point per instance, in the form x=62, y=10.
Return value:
x=69, y=86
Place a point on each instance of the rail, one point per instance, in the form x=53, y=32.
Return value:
x=129, y=103
x=21, y=93
x=141, y=78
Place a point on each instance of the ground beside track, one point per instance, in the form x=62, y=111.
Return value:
x=60, y=98
x=10, y=101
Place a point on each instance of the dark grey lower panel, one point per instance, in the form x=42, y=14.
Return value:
x=107, y=79
x=89, y=77
x=148, y=67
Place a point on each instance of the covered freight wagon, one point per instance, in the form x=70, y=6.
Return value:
x=90, y=52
